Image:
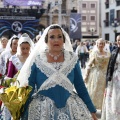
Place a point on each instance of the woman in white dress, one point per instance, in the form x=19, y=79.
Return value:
x=10, y=50
x=111, y=106
x=25, y=46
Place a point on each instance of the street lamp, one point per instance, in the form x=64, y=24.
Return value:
x=115, y=24
x=92, y=31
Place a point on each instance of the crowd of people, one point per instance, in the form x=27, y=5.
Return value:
x=52, y=65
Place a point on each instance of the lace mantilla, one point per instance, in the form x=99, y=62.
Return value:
x=57, y=77
x=57, y=65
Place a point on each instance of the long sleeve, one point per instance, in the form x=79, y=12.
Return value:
x=89, y=65
x=81, y=89
x=31, y=79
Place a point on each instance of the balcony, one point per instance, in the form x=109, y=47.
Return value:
x=21, y=12
x=106, y=22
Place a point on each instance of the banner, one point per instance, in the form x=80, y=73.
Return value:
x=75, y=26
x=18, y=24
x=23, y=2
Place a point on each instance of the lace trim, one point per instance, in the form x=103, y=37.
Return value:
x=57, y=79
x=48, y=69
x=57, y=65
x=69, y=65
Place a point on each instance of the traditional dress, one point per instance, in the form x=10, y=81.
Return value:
x=111, y=108
x=1, y=49
x=96, y=82
x=55, y=99
x=14, y=66
x=4, y=58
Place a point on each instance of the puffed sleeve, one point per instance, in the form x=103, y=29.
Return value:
x=81, y=89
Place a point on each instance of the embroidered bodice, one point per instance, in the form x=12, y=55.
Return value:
x=58, y=84
x=99, y=61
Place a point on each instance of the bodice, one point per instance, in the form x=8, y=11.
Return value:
x=101, y=61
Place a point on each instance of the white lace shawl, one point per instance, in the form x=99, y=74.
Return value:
x=52, y=73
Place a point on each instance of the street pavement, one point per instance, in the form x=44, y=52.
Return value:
x=98, y=111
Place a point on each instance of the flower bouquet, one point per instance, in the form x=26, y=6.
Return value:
x=14, y=98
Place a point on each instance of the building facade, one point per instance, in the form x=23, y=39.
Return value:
x=58, y=11
x=89, y=10
x=110, y=19
x=90, y=19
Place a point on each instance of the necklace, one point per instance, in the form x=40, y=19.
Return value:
x=55, y=57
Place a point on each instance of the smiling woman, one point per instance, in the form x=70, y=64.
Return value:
x=54, y=69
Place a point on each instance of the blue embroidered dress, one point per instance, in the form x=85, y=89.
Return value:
x=55, y=99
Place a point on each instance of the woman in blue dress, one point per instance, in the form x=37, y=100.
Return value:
x=53, y=69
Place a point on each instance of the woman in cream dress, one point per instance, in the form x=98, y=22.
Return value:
x=96, y=73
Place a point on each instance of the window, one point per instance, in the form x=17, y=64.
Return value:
x=92, y=5
x=117, y=2
x=107, y=19
x=118, y=14
x=84, y=18
x=92, y=18
x=107, y=4
x=107, y=37
x=83, y=5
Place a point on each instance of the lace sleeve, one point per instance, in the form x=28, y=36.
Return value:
x=89, y=65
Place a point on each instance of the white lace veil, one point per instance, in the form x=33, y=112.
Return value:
x=8, y=48
x=25, y=38
x=40, y=47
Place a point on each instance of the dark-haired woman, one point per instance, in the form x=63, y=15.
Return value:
x=10, y=50
x=54, y=69
x=25, y=45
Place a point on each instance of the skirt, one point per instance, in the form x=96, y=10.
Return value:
x=43, y=108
